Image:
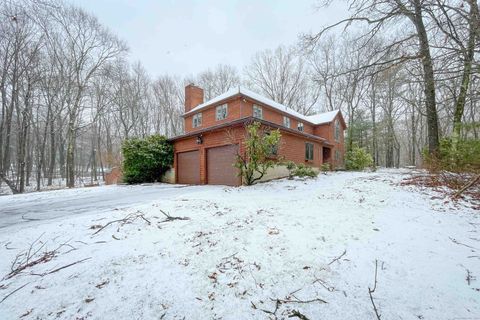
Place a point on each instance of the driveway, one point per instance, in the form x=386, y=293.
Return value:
x=32, y=208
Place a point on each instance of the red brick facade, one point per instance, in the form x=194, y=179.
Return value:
x=231, y=130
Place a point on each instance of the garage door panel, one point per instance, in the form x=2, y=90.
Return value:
x=220, y=169
x=188, y=164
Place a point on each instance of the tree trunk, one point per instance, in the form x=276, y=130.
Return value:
x=429, y=80
x=467, y=71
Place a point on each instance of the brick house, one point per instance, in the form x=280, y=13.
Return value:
x=215, y=131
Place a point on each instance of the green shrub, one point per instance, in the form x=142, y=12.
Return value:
x=326, y=167
x=300, y=170
x=260, y=147
x=146, y=160
x=465, y=157
x=358, y=159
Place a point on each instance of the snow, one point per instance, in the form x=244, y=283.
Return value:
x=323, y=117
x=314, y=119
x=244, y=246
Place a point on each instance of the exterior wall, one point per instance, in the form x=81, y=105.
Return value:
x=327, y=131
x=235, y=111
x=291, y=148
x=273, y=115
x=210, y=140
x=169, y=176
x=277, y=172
x=240, y=107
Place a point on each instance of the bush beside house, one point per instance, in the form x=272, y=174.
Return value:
x=358, y=159
x=259, y=148
x=146, y=159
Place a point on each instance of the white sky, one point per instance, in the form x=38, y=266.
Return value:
x=186, y=37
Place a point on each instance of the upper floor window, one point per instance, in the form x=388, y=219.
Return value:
x=257, y=112
x=222, y=112
x=197, y=120
x=286, y=121
x=300, y=126
x=308, y=151
x=337, y=130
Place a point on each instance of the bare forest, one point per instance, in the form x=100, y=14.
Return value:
x=405, y=74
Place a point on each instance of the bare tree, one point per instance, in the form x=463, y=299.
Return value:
x=284, y=77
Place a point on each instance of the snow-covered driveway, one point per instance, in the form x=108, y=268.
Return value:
x=275, y=250
x=25, y=209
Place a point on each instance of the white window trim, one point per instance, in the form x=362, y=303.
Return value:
x=313, y=151
x=300, y=126
x=286, y=121
x=197, y=120
x=220, y=107
x=256, y=106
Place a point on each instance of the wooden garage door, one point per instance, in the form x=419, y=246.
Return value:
x=220, y=168
x=188, y=167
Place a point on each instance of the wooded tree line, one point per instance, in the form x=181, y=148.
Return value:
x=70, y=96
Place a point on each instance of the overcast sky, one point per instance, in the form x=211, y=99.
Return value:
x=186, y=37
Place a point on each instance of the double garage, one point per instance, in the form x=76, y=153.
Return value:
x=218, y=162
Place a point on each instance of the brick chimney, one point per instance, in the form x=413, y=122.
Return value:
x=193, y=97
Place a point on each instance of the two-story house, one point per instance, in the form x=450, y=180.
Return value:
x=215, y=132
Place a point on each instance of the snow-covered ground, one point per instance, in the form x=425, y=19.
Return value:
x=276, y=249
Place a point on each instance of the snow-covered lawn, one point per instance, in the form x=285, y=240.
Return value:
x=277, y=249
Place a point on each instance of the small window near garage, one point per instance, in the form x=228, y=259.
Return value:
x=300, y=126
x=337, y=130
x=257, y=112
x=197, y=120
x=222, y=112
x=286, y=121
x=309, y=151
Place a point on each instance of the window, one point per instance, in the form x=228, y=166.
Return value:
x=337, y=130
x=337, y=156
x=222, y=112
x=309, y=151
x=286, y=121
x=300, y=126
x=197, y=120
x=257, y=112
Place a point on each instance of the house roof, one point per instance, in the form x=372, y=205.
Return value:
x=314, y=119
x=246, y=120
x=323, y=117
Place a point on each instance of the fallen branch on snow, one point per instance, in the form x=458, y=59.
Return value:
x=370, y=291
x=130, y=218
x=19, y=288
x=467, y=186
x=61, y=268
x=297, y=314
x=339, y=257
x=171, y=218
x=33, y=256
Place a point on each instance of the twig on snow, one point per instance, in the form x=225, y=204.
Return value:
x=339, y=257
x=60, y=268
x=130, y=218
x=461, y=244
x=172, y=218
x=466, y=186
x=370, y=291
x=297, y=314
x=8, y=295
